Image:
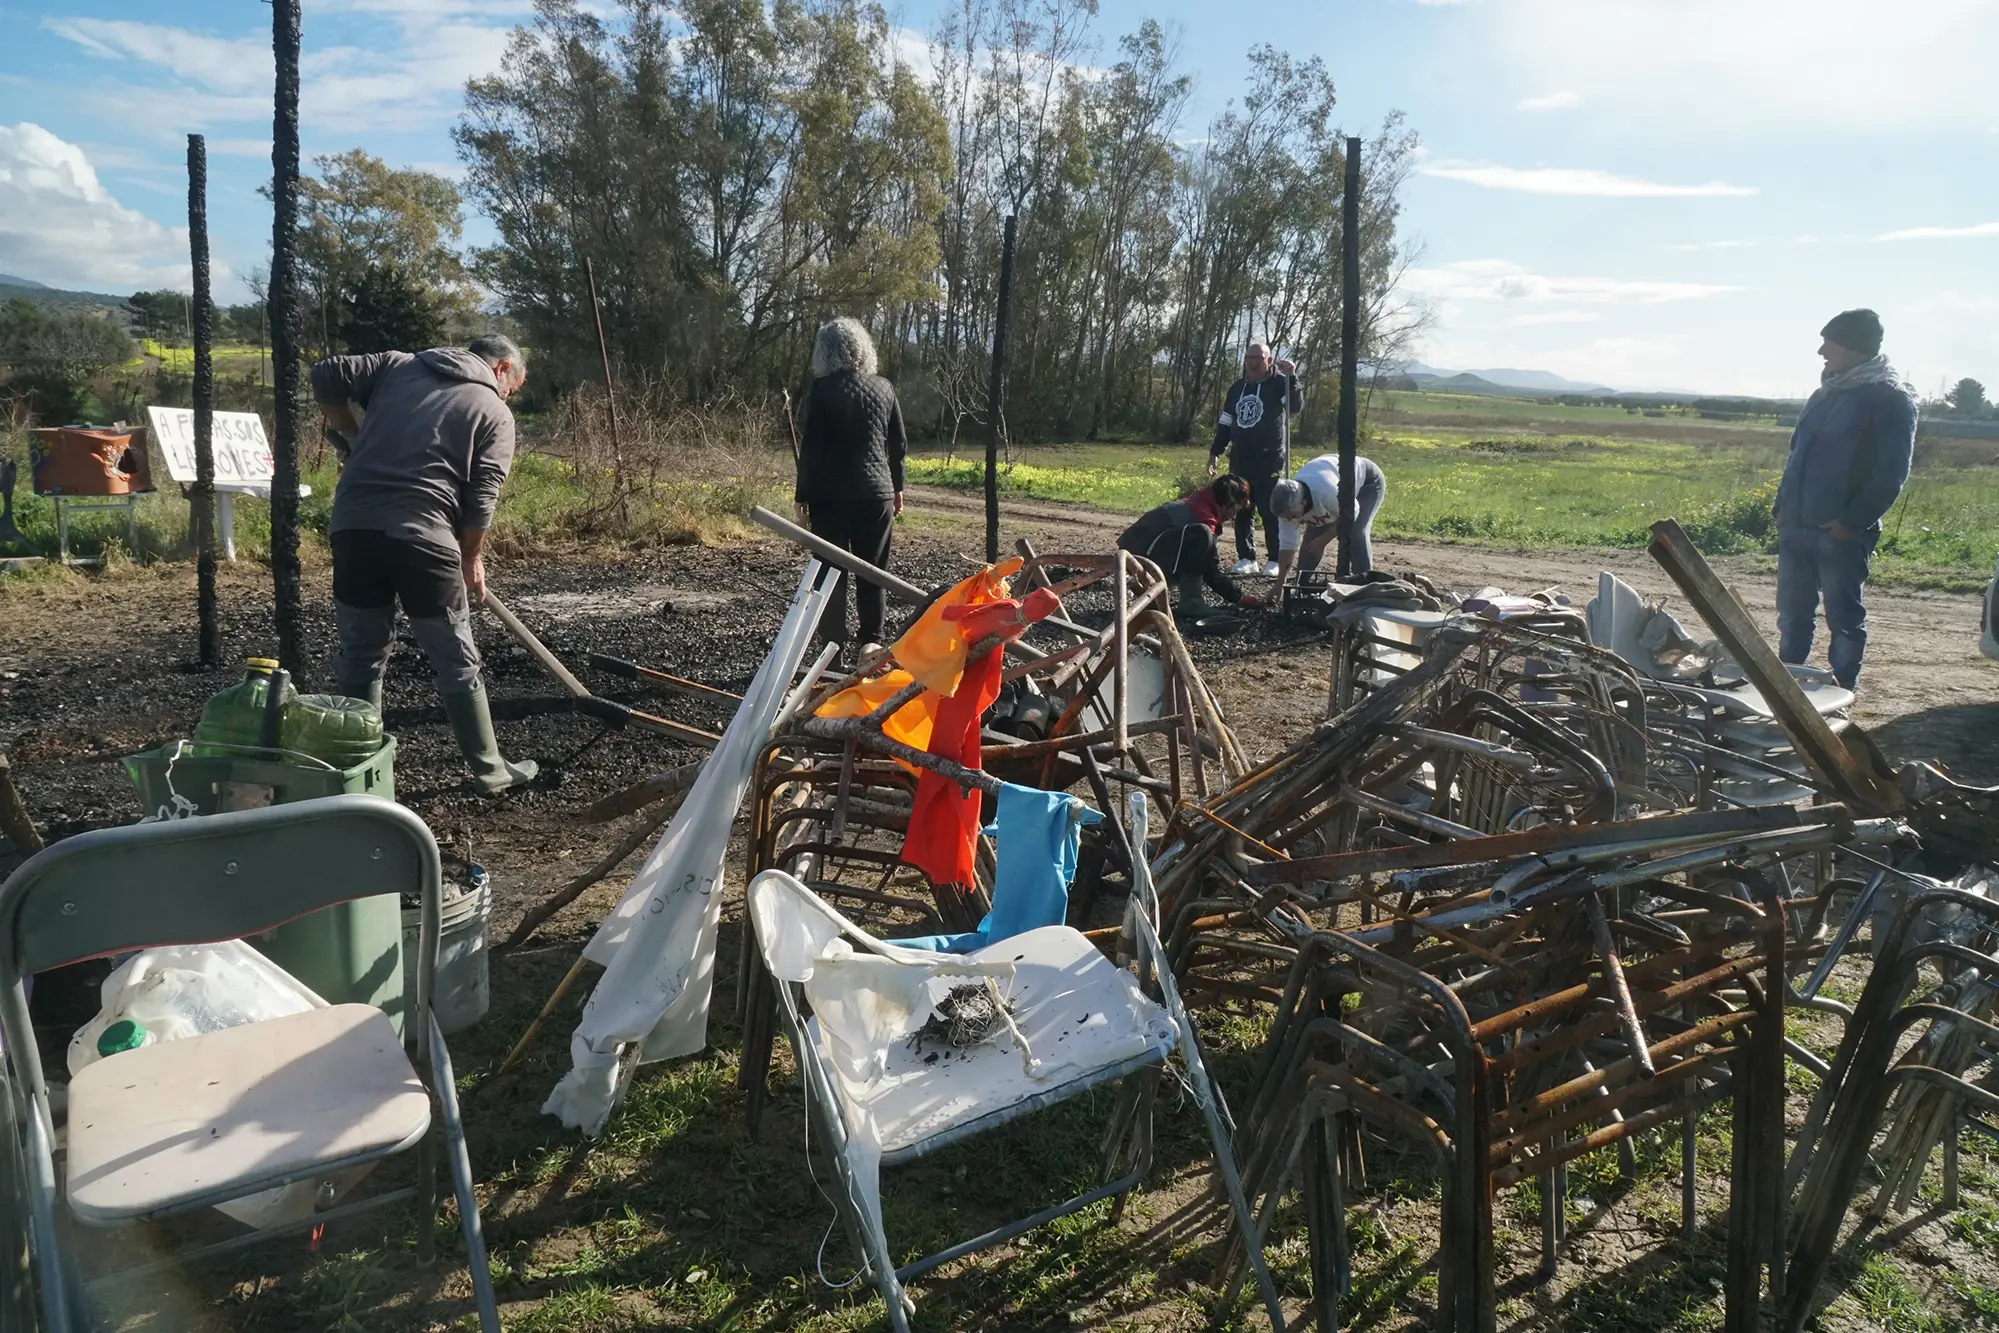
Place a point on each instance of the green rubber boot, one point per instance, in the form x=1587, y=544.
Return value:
x=472, y=724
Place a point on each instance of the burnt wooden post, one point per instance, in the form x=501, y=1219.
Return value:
x=282, y=300
x=996, y=399
x=201, y=496
x=1349, y=353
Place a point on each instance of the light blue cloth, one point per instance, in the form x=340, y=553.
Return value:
x=1037, y=834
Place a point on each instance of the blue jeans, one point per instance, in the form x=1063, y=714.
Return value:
x=1811, y=562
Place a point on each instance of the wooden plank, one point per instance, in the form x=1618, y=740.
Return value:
x=1823, y=752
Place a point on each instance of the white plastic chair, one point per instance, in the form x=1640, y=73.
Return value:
x=881, y=1100
x=183, y=1125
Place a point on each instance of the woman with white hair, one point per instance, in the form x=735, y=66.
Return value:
x=850, y=467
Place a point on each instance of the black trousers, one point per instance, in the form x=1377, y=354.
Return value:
x=865, y=526
x=1261, y=472
x=372, y=571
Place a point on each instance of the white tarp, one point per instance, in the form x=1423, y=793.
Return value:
x=658, y=947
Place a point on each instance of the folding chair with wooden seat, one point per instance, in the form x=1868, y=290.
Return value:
x=881, y=1099
x=186, y=1124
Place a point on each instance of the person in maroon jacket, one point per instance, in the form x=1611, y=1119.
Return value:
x=1183, y=537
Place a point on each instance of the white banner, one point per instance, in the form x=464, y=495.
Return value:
x=242, y=452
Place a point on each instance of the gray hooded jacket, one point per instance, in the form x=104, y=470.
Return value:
x=434, y=448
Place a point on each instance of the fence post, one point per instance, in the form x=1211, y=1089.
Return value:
x=201, y=497
x=282, y=298
x=996, y=400
x=1349, y=353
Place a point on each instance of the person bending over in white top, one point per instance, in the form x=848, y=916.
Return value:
x=1307, y=507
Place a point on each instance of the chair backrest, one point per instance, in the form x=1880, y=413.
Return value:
x=215, y=877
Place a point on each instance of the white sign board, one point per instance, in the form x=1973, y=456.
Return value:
x=242, y=453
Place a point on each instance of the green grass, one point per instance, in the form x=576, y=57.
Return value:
x=1527, y=474
x=544, y=505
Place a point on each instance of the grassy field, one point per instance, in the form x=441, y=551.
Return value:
x=1527, y=474
x=1506, y=472
x=544, y=507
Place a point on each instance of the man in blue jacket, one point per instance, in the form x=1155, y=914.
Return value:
x=1849, y=458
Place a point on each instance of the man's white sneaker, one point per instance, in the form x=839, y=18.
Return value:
x=1270, y=569
x=1244, y=567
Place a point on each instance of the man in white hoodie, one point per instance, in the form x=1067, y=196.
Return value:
x=1308, y=514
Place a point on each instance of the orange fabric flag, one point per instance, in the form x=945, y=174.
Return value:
x=933, y=649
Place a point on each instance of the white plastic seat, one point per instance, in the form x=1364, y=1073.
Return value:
x=880, y=1095
x=1078, y=1012
x=169, y=1127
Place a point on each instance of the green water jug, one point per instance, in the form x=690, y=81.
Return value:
x=236, y=715
x=332, y=728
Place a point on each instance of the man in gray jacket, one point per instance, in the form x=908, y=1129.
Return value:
x=418, y=487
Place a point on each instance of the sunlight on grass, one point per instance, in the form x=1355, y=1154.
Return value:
x=1527, y=474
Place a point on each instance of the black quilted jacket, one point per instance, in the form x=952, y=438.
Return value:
x=854, y=443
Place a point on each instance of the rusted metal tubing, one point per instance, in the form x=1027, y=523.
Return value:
x=1631, y=1126
x=1704, y=1031
x=1606, y=1102
x=1620, y=992
x=1577, y=1031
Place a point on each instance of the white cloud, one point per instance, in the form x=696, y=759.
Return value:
x=1504, y=280
x=1941, y=233
x=59, y=225
x=222, y=64
x=414, y=74
x=1581, y=181
x=1554, y=317
x=1560, y=101
x=1745, y=65
x=1712, y=245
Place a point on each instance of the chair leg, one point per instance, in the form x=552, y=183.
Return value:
x=759, y=1038
x=426, y=1198
x=461, y=1185
x=1325, y=1221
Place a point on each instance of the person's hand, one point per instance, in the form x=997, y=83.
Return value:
x=474, y=568
x=1214, y=465
x=1840, y=532
x=1287, y=366
x=898, y=502
x=803, y=513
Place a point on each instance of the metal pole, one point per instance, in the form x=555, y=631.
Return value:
x=610, y=397
x=996, y=399
x=201, y=497
x=283, y=303
x=1349, y=353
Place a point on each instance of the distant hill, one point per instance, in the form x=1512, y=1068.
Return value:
x=58, y=300
x=1500, y=381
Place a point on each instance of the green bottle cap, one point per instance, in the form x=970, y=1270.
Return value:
x=124, y=1035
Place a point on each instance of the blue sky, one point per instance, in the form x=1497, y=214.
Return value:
x=1644, y=193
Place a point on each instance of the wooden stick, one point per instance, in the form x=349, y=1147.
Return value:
x=573, y=890
x=561, y=989
x=642, y=794
x=14, y=820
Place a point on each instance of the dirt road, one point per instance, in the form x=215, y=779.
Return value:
x=1926, y=692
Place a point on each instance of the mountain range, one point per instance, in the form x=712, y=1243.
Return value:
x=1497, y=380
x=56, y=299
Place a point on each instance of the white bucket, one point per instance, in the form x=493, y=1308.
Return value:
x=463, y=991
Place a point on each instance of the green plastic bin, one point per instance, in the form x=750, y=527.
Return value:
x=349, y=953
